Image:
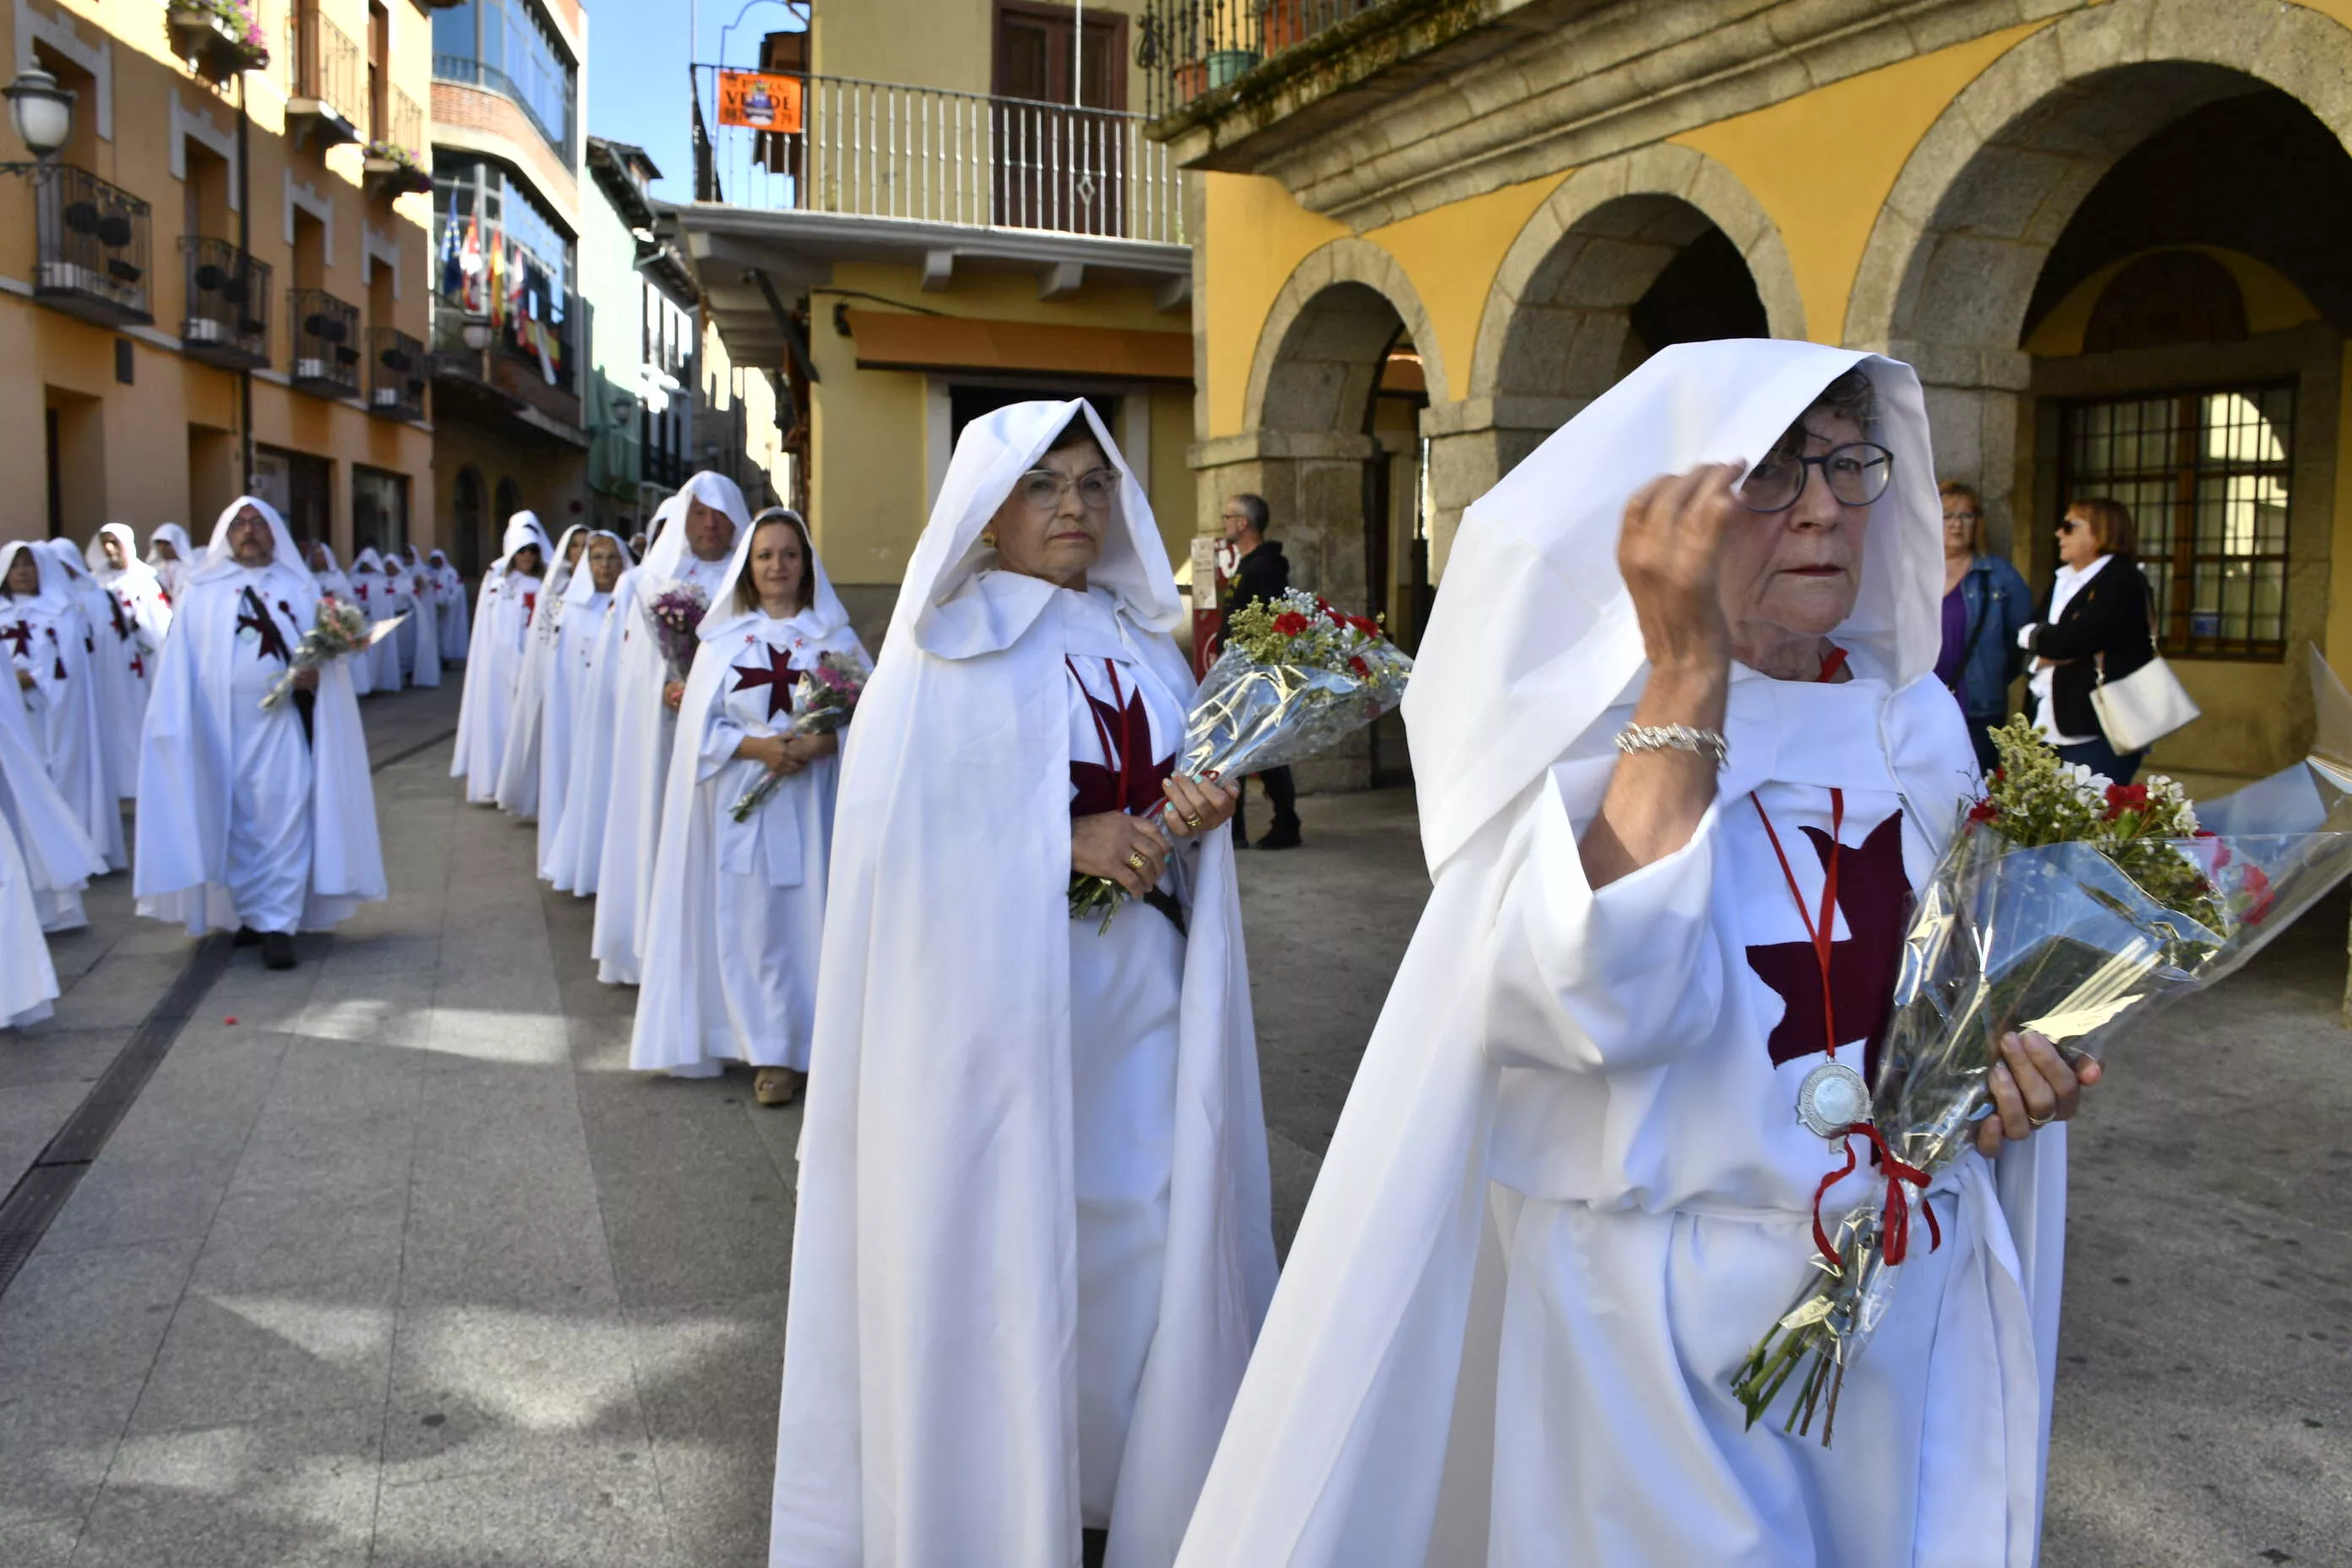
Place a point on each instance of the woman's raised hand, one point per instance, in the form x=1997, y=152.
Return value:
x=1197, y=806
x=1670, y=552
x=2033, y=1085
x=1110, y=843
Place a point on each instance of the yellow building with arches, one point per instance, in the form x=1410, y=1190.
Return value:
x=2108, y=235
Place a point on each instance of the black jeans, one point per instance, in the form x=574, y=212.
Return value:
x=2100, y=758
x=1279, y=790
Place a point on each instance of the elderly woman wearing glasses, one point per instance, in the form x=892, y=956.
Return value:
x=1682, y=759
x=1034, y=1234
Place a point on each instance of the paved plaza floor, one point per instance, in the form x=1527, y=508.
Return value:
x=392, y=1262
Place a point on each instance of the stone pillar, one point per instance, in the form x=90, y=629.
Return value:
x=1975, y=397
x=1472, y=444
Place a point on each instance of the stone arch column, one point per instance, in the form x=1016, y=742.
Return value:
x=1951, y=263
x=1553, y=332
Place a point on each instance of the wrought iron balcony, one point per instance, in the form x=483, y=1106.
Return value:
x=397, y=368
x=90, y=240
x=227, y=320
x=326, y=78
x=887, y=151
x=326, y=342
x=1187, y=47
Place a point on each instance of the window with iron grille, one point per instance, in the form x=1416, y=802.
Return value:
x=2208, y=476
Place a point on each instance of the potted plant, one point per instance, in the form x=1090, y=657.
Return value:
x=393, y=169
x=218, y=38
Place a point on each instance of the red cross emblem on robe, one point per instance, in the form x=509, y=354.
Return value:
x=775, y=674
x=1874, y=894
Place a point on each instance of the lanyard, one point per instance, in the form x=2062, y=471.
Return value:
x=1821, y=931
x=1102, y=730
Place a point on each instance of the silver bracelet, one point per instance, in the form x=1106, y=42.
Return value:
x=1636, y=738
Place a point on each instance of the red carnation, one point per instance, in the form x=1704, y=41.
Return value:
x=2258, y=887
x=1290, y=623
x=1360, y=667
x=2125, y=797
x=1983, y=811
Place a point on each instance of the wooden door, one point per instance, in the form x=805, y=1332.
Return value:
x=1057, y=167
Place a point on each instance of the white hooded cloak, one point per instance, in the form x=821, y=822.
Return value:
x=1568, y=1192
x=449, y=608
x=420, y=634
x=517, y=781
x=212, y=754
x=494, y=661
x=578, y=721
x=171, y=570
x=57, y=850
x=49, y=636
x=643, y=727
x=739, y=907
x=378, y=587
x=330, y=578
x=952, y=1321
x=137, y=615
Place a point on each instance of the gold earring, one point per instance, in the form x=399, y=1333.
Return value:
x=989, y=541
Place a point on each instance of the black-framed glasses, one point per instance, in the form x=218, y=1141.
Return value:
x=1043, y=488
x=1857, y=474
x=2068, y=525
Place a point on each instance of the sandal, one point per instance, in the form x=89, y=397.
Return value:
x=777, y=1086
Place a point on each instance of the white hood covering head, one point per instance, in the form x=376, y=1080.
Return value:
x=332, y=567
x=557, y=573
x=992, y=454
x=54, y=594
x=68, y=560
x=524, y=528
x=666, y=554
x=581, y=586
x=218, y=562
x=826, y=614
x=172, y=535
x=1535, y=639
x=95, y=556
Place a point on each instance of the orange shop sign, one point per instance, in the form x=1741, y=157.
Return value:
x=759, y=102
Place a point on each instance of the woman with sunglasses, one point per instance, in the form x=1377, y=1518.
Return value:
x=1034, y=1234
x=2097, y=626
x=1682, y=758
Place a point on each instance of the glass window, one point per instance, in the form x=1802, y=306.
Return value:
x=379, y=510
x=510, y=47
x=453, y=30
x=2207, y=477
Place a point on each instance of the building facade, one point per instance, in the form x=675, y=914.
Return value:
x=956, y=210
x=2107, y=235
x=220, y=283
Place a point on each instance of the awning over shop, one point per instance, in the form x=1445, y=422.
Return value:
x=889, y=340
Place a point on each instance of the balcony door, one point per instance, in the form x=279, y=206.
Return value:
x=1058, y=167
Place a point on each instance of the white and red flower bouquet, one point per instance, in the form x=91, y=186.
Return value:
x=2068, y=906
x=824, y=699
x=337, y=631
x=1294, y=678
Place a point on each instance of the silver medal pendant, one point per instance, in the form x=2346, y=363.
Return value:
x=1832, y=1097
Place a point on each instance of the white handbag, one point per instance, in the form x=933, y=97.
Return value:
x=2139, y=709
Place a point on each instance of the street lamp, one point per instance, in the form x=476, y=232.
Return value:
x=622, y=407
x=475, y=330
x=41, y=112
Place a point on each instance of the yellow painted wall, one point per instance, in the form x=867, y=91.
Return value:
x=146, y=426
x=2272, y=301
x=947, y=44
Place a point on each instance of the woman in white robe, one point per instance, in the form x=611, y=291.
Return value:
x=1570, y=1189
x=47, y=635
x=738, y=906
x=332, y=582
x=1034, y=1235
x=450, y=607
x=58, y=854
x=169, y=552
x=518, y=782
x=572, y=724
x=134, y=615
x=120, y=691
x=710, y=517
x=420, y=646
x=494, y=661
x=378, y=587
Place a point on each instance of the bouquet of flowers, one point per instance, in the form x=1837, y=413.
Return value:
x=2068, y=906
x=822, y=701
x=337, y=629
x=1295, y=675
x=676, y=613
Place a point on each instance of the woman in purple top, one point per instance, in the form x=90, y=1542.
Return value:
x=1986, y=604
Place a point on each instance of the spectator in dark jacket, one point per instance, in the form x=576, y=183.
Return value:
x=1260, y=573
x=1986, y=605
x=2096, y=626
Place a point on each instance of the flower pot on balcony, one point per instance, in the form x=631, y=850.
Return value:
x=390, y=177
x=1227, y=67
x=211, y=43
x=1192, y=80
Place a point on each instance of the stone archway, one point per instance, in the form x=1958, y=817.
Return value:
x=1559, y=327
x=1949, y=271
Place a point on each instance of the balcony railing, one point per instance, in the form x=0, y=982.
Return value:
x=326, y=342
x=1188, y=47
x=326, y=76
x=396, y=371
x=228, y=320
x=474, y=73
x=514, y=375
x=880, y=150
x=401, y=124
x=90, y=240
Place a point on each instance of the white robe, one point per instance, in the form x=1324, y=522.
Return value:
x=1567, y=1192
x=493, y=661
x=588, y=655
x=137, y=615
x=48, y=637
x=519, y=759
x=943, y=1376
x=241, y=822
x=380, y=596
x=644, y=729
x=450, y=611
x=172, y=572
x=420, y=634
x=332, y=580
x=57, y=853
x=737, y=908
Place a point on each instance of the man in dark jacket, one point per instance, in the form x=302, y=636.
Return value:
x=1260, y=573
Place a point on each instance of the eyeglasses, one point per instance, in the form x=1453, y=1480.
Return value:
x=2070, y=525
x=1962, y=516
x=1043, y=488
x=1856, y=473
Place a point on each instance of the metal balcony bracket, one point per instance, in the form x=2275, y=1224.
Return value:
x=938, y=271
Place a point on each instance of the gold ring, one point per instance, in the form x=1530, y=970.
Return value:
x=2034, y=1120
x=1136, y=862
x=1191, y=822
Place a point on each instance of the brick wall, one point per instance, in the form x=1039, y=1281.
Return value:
x=481, y=121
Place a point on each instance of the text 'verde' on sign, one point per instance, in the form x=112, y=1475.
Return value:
x=759, y=102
